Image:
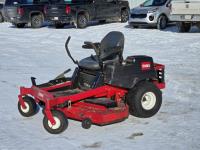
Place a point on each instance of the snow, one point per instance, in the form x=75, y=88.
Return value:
x=40, y=53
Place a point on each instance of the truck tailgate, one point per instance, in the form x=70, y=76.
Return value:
x=189, y=7
x=55, y=10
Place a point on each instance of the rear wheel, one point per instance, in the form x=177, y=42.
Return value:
x=31, y=107
x=60, y=125
x=36, y=21
x=183, y=27
x=162, y=22
x=20, y=25
x=1, y=18
x=82, y=21
x=124, y=15
x=144, y=100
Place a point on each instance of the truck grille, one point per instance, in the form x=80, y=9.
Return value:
x=138, y=15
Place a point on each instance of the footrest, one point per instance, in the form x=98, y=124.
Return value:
x=102, y=101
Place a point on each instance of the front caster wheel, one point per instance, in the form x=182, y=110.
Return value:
x=31, y=107
x=144, y=100
x=60, y=125
x=86, y=123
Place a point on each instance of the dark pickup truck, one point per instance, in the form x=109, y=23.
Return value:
x=1, y=13
x=22, y=12
x=80, y=12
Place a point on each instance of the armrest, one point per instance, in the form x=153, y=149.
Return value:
x=90, y=45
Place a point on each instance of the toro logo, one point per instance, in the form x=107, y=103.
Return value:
x=145, y=66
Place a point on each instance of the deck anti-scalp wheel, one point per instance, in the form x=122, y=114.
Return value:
x=144, y=100
x=60, y=125
x=31, y=107
x=86, y=123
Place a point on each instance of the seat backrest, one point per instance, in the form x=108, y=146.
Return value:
x=112, y=46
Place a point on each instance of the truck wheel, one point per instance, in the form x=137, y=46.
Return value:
x=20, y=25
x=162, y=22
x=82, y=21
x=124, y=15
x=1, y=18
x=36, y=21
x=59, y=25
x=31, y=107
x=183, y=27
x=61, y=123
x=144, y=100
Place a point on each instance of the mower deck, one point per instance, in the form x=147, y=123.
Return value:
x=95, y=104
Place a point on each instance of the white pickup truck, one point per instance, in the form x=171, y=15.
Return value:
x=185, y=13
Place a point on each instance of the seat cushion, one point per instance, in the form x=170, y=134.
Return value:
x=90, y=63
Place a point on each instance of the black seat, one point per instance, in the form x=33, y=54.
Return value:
x=110, y=49
x=90, y=63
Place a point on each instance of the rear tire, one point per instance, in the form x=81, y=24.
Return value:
x=31, y=107
x=36, y=21
x=20, y=25
x=61, y=123
x=82, y=21
x=144, y=100
x=124, y=15
x=1, y=18
x=183, y=27
x=162, y=22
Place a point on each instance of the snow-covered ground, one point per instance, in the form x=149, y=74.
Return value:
x=40, y=53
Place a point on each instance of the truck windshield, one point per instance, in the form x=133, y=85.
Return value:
x=150, y=3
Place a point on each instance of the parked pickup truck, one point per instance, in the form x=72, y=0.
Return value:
x=22, y=12
x=186, y=13
x=80, y=12
x=1, y=13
